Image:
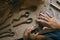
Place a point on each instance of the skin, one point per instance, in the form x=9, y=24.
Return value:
x=49, y=20
x=45, y=19
x=32, y=36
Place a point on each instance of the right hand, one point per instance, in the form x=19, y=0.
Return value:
x=47, y=19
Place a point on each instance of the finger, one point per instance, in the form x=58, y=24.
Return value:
x=43, y=18
x=44, y=28
x=35, y=34
x=41, y=14
x=48, y=15
x=44, y=15
x=42, y=21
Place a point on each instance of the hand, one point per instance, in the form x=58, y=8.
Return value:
x=27, y=32
x=33, y=36
x=47, y=19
